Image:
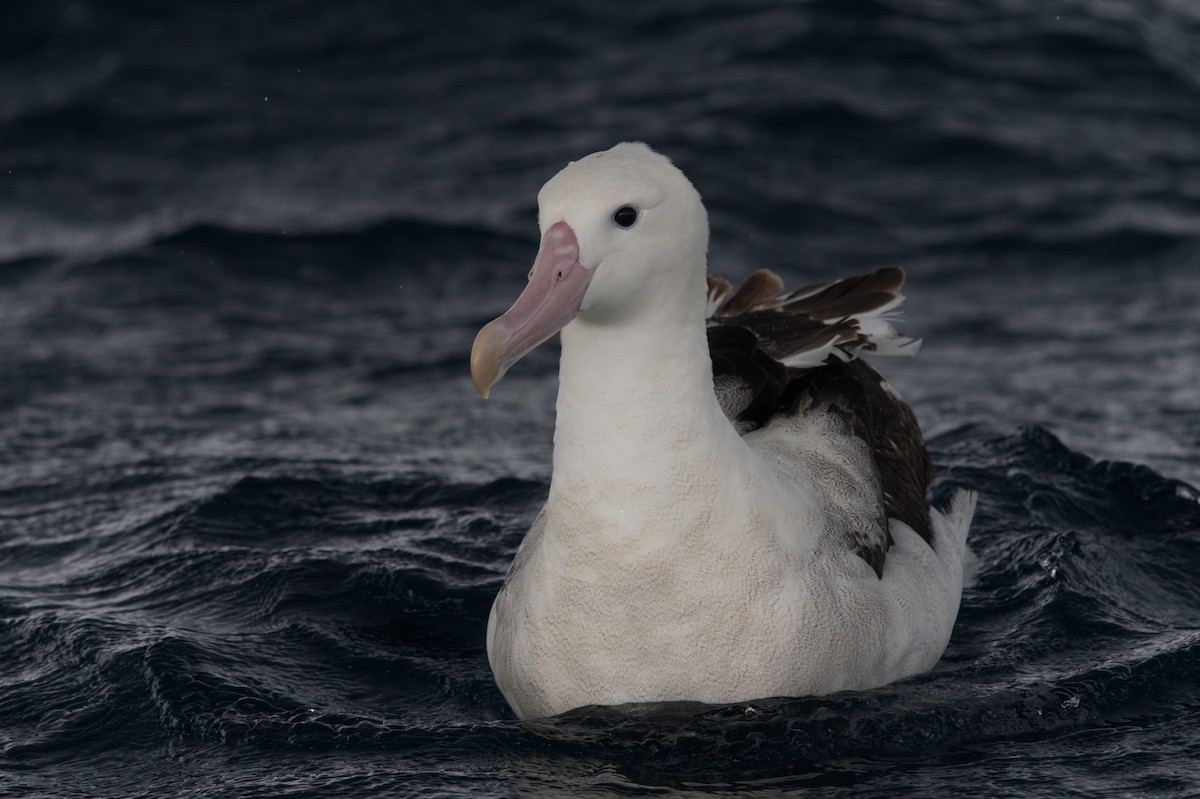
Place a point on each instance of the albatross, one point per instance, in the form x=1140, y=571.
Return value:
x=737, y=506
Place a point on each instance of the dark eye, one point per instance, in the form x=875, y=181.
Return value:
x=625, y=216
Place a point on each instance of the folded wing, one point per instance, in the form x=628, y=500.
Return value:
x=777, y=352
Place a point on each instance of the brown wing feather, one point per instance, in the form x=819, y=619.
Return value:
x=781, y=335
x=760, y=291
x=847, y=297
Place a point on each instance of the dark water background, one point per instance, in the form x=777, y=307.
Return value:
x=252, y=515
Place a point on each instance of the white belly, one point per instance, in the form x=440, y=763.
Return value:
x=714, y=627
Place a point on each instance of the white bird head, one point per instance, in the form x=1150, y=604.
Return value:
x=623, y=231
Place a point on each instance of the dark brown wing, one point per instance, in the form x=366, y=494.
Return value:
x=796, y=353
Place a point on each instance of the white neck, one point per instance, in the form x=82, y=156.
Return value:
x=638, y=420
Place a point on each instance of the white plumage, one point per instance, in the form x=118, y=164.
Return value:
x=703, y=547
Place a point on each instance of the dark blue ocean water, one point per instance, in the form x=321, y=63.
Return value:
x=252, y=514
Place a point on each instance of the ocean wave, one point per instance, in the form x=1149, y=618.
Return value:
x=363, y=246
